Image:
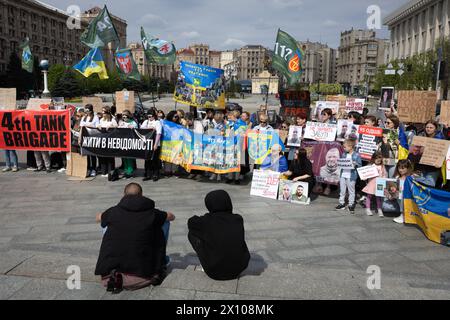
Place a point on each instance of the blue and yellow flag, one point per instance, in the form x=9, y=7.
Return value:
x=403, y=148
x=92, y=63
x=427, y=207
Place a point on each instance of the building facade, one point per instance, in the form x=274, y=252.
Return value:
x=265, y=80
x=417, y=26
x=198, y=54
x=360, y=54
x=250, y=61
x=226, y=57
x=160, y=71
x=319, y=63
x=46, y=27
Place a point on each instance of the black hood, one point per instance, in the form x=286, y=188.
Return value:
x=136, y=203
x=218, y=201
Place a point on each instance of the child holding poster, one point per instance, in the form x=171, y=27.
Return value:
x=403, y=170
x=370, y=188
x=349, y=176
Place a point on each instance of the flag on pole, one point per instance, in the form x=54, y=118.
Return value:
x=92, y=63
x=403, y=148
x=288, y=57
x=125, y=65
x=27, y=57
x=100, y=31
x=158, y=51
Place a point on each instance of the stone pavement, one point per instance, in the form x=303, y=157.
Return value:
x=298, y=252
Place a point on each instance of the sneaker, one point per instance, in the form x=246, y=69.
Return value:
x=92, y=173
x=340, y=207
x=380, y=213
x=351, y=209
x=15, y=169
x=38, y=169
x=369, y=212
x=31, y=169
x=6, y=169
x=104, y=175
x=62, y=170
x=399, y=219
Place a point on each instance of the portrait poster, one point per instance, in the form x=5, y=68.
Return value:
x=295, y=136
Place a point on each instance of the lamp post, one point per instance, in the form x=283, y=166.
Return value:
x=44, y=66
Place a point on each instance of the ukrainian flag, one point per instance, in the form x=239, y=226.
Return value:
x=92, y=63
x=403, y=148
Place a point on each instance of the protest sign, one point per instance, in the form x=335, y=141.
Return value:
x=125, y=101
x=299, y=192
x=368, y=172
x=295, y=103
x=76, y=165
x=321, y=105
x=35, y=130
x=426, y=207
x=369, y=138
x=35, y=104
x=345, y=164
x=448, y=164
x=200, y=86
x=433, y=153
x=7, y=98
x=444, y=117
x=416, y=106
x=295, y=136
x=284, y=190
x=319, y=131
x=354, y=105
x=324, y=157
x=347, y=130
x=265, y=184
x=96, y=102
x=58, y=103
x=387, y=188
x=388, y=147
x=118, y=142
x=387, y=99
x=342, y=100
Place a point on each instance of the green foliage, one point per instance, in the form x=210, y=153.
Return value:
x=326, y=88
x=67, y=86
x=55, y=73
x=18, y=78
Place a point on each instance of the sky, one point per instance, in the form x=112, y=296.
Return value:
x=231, y=24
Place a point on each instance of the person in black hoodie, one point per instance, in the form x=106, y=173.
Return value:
x=218, y=238
x=134, y=244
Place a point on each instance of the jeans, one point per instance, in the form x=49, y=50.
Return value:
x=11, y=158
x=345, y=184
x=39, y=155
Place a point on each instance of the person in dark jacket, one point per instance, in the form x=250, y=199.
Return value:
x=218, y=238
x=134, y=244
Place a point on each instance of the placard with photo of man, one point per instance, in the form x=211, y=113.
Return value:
x=295, y=136
x=299, y=193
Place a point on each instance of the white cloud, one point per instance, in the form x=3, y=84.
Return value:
x=288, y=3
x=233, y=43
x=151, y=20
x=190, y=34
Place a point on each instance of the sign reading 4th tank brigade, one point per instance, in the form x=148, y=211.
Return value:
x=35, y=130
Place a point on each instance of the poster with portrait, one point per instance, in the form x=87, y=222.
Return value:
x=387, y=98
x=324, y=158
x=321, y=105
x=284, y=190
x=346, y=130
x=295, y=136
x=387, y=188
x=299, y=193
x=388, y=147
x=369, y=139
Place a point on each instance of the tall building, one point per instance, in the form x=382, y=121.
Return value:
x=199, y=54
x=121, y=28
x=226, y=57
x=360, y=54
x=319, y=63
x=46, y=27
x=160, y=71
x=417, y=26
x=250, y=61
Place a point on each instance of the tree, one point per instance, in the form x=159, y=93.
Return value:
x=18, y=78
x=67, y=86
x=326, y=88
x=55, y=73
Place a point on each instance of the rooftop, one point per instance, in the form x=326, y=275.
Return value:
x=406, y=10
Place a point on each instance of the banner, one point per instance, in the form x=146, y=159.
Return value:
x=320, y=131
x=324, y=157
x=260, y=144
x=125, y=65
x=355, y=105
x=426, y=207
x=416, y=106
x=35, y=130
x=200, y=86
x=118, y=142
x=158, y=51
x=265, y=184
x=295, y=103
x=8, y=99
x=369, y=138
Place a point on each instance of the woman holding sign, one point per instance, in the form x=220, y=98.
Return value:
x=301, y=169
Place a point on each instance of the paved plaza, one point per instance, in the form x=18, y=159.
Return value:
x=47, y=223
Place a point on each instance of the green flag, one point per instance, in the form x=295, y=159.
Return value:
x=27, y=57
x=288, y=57
x=125, y=65
x=100, y=31
x=158, y=51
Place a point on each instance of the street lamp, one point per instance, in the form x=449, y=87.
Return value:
x=44, y=66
